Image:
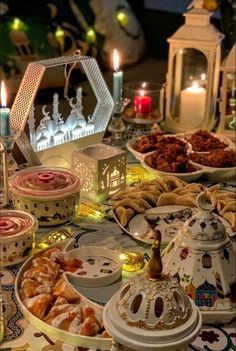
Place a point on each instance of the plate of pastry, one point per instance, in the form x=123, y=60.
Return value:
x=165, y=194
x=168, y=219
x=50, y=301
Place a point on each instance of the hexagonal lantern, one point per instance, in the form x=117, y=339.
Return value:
x=58, y=149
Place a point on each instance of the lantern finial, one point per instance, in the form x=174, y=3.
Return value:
x=154, y=268
x=197, y=4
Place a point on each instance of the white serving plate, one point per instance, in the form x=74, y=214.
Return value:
x=187, y=177
x=139, y=229
x=222, y=138
x=56, y=333
x=211, y=173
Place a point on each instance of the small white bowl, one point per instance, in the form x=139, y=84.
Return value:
x=100, y=266
x=17, y=231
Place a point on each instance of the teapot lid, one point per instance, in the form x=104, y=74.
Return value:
x=205, y=225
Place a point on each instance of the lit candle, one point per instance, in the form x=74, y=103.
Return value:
x=192, y=105
x=5, y=129
x=117, y=77
x=142, y=103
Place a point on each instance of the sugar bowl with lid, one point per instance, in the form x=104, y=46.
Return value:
x=202, y=257
x=17, y=231
x=49, y=193
x=152, y=312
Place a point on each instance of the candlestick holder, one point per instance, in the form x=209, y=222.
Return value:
x=8, y=166
x=117, y=126
x=146, y=109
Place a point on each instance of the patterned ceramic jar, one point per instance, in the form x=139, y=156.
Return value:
x=17, y=229
x=49, y=193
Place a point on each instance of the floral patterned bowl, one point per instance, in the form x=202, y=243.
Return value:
x=17, y=229
x=49, y=193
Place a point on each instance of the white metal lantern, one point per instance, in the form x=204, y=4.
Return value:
x=227, y=123
x=193, y=72
x=102, y=169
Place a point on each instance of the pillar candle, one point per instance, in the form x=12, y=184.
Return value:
x=117, y=78
x=192, y=105
x=142, y=103
x=5, y=129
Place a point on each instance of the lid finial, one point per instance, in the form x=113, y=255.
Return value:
x=154, y=267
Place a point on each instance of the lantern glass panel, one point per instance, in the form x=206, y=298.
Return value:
x=189, y=87
x=230, y=106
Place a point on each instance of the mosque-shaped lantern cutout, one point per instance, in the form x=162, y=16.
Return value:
x=52, y=141
x=193, y=72
x=102, y=169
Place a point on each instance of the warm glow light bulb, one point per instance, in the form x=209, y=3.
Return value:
x=122, y=18
x=91, y=35
x=17, y=24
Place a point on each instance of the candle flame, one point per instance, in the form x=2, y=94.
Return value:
x=144, y=84
x=203, y=76
x=116, y=60
x=3, y=94
x=142, y=93
x=195, y=84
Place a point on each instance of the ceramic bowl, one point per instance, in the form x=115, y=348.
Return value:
x=187, y=177
x=141, y=155
x=17, y=230
x=49, y=193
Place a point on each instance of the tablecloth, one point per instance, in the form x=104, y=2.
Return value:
x=20, y=335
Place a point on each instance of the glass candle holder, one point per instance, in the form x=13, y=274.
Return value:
x=146, y=101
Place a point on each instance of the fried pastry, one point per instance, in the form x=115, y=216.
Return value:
x=230, y=206
x=65, y=290
x=90, y=326
x=124, y=214
x=231, y=218
x=39, y=305
x=173, y=182
x=52, y=267
x=166, y=199
x=130, y=203
x=186, y=200
x=42, y=274
x=31, y=288
x=54, y=254
x=67, y=317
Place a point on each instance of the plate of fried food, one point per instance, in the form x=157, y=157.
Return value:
x=51, y=302
x=214, y=152
x=187, y=156
x=170, y=200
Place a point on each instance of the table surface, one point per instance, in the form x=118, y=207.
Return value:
x=20, y=335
